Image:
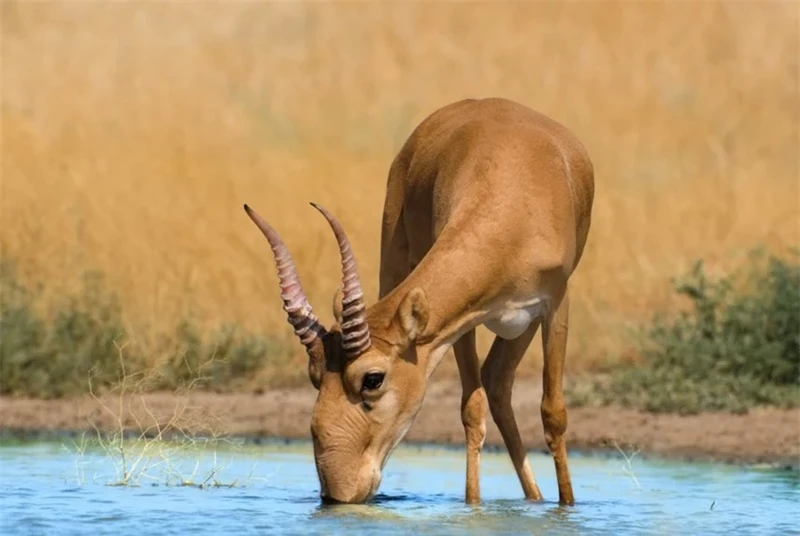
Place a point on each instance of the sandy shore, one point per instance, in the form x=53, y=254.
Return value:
x=761, y=436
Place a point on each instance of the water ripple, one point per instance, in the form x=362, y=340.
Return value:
x=416, y=497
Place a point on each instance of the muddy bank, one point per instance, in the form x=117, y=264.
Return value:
x=761, y=436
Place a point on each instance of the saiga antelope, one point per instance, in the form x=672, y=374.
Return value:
x=486, y=215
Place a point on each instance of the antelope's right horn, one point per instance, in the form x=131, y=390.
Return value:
x=300, y=314
x=355, y=330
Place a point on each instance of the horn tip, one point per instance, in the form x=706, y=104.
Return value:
x=321, y=209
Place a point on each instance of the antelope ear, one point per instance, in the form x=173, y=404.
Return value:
x=337, y=305
x=413, y=314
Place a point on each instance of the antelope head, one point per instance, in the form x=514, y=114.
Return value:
x=369, y=386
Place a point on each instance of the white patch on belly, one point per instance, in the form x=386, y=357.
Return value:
x=515, y=319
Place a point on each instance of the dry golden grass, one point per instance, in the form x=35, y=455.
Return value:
x=133, y=132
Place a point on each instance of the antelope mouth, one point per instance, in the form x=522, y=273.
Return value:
x=328, y=500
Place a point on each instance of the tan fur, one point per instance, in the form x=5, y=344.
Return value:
x=486, y=215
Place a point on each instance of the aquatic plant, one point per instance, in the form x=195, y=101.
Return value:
x=145, y=445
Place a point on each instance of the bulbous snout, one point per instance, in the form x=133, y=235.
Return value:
x=350, y=487
x=347, y=466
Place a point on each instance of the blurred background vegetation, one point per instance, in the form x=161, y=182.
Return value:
x=133, y=132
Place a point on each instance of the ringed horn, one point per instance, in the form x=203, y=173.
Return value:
x=355, y=330
x=301, y=316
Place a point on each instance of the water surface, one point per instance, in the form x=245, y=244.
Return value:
x=66, y=488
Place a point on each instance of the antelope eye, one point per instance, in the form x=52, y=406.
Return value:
x=372, y=380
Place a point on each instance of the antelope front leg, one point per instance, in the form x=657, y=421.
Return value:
x=473, y=410
x=553, y=409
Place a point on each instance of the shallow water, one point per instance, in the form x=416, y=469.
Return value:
x=66, y=488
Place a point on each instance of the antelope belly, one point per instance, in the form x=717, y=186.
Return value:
x=513, y=322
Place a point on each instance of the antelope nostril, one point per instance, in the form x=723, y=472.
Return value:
x=326, y=499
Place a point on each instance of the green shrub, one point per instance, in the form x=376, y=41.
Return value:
x=228, y=358
x=738, y=347
x=55, y=355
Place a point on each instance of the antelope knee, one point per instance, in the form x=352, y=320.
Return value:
x=473, y=413
x=554, y=419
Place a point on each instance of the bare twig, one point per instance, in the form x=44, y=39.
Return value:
x=627, y=467
x=157, y=442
